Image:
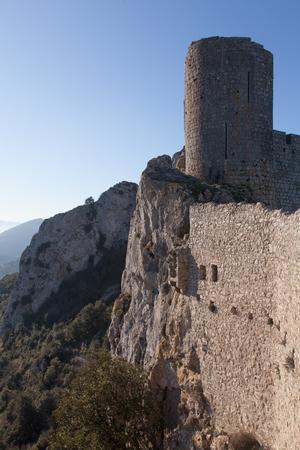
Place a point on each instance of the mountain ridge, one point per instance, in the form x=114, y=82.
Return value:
x=13, y=242
x=7, y=224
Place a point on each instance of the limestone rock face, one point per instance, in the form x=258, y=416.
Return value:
x=178, y=160
x=76, y=257
x=151, y=321
x=160, y=224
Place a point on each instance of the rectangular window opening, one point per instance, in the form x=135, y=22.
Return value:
x=226, y=141
x=214, y=273
x=248, y=87
x=202, y=272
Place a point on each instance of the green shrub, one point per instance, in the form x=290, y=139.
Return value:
x=108, y=406
x=92, y=319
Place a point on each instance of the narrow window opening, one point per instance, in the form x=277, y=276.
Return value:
x=226, y=140
x=234, y=310
x=214, y=273
x=202, y=272
x=248, y=87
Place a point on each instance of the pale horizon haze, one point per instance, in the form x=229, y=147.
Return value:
x=90, y=90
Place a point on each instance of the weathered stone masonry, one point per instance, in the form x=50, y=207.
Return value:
x=249, y=329
x=229, y=121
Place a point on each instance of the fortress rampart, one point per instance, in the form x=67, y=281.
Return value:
x=244, y=281
x=228, y=116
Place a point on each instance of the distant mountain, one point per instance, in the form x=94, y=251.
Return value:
x=5, y=225
x=9, y=267
x=13, y=242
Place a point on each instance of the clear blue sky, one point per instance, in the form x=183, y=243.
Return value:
x=90, y=90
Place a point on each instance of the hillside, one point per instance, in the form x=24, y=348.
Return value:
x=75, y=257
x=37, y=363
x=61, y=304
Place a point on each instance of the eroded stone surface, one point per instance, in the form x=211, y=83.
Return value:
x=75, y=258
x=210, y=305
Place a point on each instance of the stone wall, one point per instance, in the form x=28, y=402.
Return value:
x=228, y=109
x=286, y=171
x=228, y=122
x=248, y=332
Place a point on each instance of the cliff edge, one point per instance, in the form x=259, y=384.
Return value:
x=76, y=257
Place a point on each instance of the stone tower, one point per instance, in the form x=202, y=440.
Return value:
x=229, y=112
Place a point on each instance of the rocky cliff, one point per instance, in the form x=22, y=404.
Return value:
x=76, y=257
x=151, y=321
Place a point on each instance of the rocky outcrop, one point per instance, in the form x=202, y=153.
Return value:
x=151, y=321
x=76, y=257
x=160, y=224
x=178, y=160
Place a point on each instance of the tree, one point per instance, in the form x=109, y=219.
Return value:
x=26, y=421
x=89, y=201
x=109, y=406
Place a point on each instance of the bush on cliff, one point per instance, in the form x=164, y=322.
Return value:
x=109, y=406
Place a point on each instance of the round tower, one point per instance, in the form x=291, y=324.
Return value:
x=228, y=109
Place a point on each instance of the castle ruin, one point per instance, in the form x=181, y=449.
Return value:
x=211, y=289
x=228, y=114
x=244, y=259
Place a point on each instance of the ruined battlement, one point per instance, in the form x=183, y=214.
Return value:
x=228, y=115
x=233, y=39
